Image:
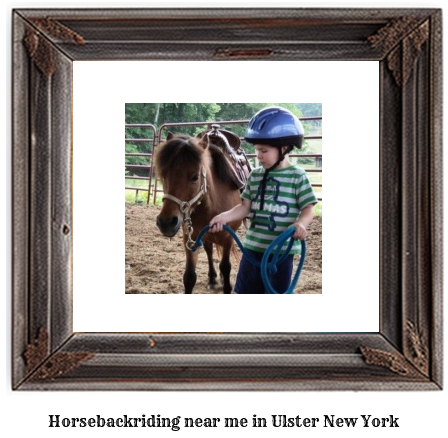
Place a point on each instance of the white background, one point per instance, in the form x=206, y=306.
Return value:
x=350, y=97
x=27, y=413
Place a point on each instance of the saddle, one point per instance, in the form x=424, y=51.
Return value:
x=230, y=144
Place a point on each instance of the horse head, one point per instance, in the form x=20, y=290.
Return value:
x=180, y=164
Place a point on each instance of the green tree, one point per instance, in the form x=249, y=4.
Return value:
x=160, y=113
x=310, y=109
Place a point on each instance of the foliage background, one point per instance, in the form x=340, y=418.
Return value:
x=160, y=113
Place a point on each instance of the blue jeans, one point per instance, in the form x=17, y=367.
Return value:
x=248, y=279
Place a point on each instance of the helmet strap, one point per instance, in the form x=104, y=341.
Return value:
x=265, y=177
x=266, y=172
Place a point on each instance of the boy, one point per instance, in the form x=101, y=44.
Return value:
x=277, y=195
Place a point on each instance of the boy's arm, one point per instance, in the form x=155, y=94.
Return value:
x=237, y=213
x=301, y=224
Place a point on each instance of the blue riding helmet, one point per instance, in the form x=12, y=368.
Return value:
x=275, y=126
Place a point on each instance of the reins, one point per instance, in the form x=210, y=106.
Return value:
x=185, y=207
x=267, y=267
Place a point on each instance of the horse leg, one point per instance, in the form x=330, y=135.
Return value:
x=190, y=271
x=225, y=268
x=212, y=283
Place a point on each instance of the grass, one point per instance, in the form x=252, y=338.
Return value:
x=131, y=197
x=136, y=196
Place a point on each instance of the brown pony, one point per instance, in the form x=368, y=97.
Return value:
x=198, y=183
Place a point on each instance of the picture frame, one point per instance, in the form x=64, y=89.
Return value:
x=406, y=353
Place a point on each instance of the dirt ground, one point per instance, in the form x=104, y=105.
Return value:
x=154, y=264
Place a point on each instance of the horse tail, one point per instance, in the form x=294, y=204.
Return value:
x=235, y=253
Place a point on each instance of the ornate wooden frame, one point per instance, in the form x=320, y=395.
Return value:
x=406, y=354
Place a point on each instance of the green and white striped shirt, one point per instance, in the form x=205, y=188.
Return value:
x=288, y=192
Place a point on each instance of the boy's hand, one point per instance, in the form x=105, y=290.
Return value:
x=216, y=224
x=306, y=216
x=300, y=232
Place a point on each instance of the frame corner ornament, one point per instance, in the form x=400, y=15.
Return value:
x=393, y=361
x=417, y=350
x=40, y=365
x=40, y=50
x=37, y=351
x=401, y=57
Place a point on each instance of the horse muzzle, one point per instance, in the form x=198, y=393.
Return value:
x=168, y=226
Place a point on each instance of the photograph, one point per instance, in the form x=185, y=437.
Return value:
x=186, y=182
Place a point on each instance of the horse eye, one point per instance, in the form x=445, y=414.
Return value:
x=194, y=178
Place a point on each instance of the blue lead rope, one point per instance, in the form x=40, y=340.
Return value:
x=266, y=266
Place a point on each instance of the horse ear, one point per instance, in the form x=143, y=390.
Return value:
x=203, y=141
x=169, y=136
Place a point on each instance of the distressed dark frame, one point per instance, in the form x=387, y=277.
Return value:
x=406, y=353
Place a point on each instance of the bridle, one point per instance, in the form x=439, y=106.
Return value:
x=186, y=206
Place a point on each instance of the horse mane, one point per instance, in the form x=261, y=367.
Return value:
x=222, y=168
x=180, y=151
x=188, y=151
